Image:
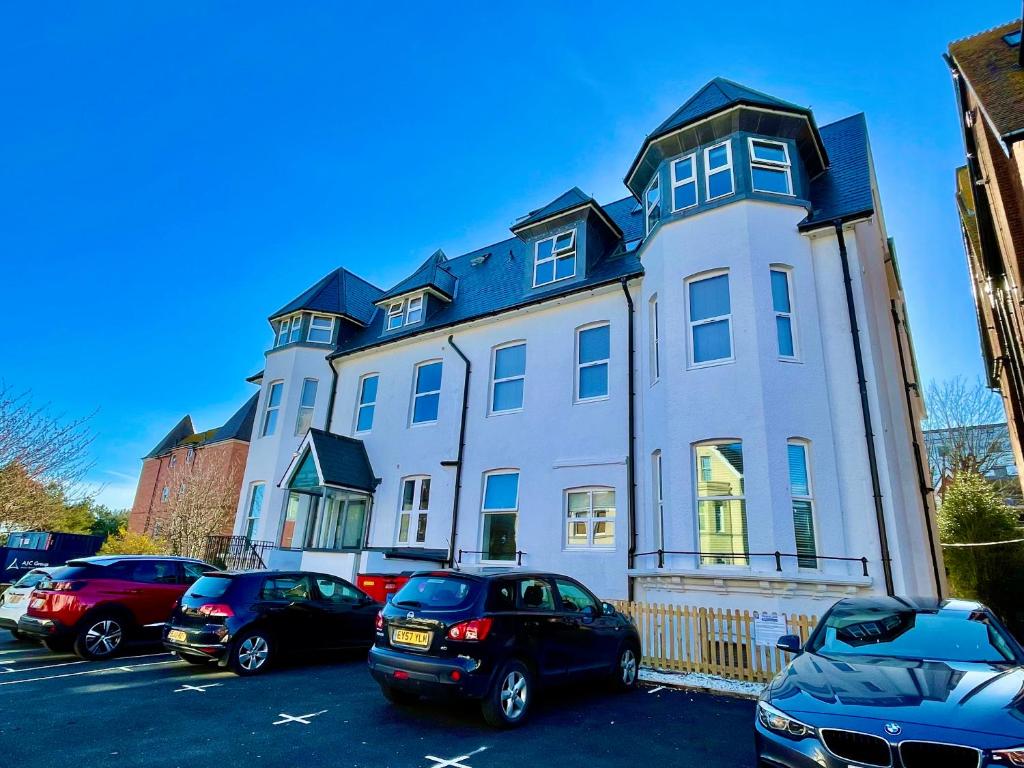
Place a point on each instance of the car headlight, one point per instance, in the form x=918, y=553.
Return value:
x=1013, y=757
x=777, y=720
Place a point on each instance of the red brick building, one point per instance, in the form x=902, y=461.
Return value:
x=184, y=456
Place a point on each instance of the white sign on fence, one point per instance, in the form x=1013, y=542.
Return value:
x=768, y=628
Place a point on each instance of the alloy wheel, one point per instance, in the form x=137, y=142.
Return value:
x=103, y=637
x=513, y=695
x=252, y=653
x=627, y=663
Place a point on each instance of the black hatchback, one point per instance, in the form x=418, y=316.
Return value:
x=244, y=620
x=497, y=638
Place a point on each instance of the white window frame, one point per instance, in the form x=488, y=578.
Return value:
x=413, y=304
x=555, y=256
x=173, y=460
x=589, y=520
x=330, y=329
x=697, y=499
x=495, y=381
x=360, y=404
x=268, y=408
x=788, y=272
x=648, y=207
x=190, y=455
x=415, y=513
x=248, y=520
x=727, y=168
x=658, y=497
x=770, y=165
x=691, y=324
x=805, y=445
x=676, y=182
x=283, y=329
x=396, y=311
x=498, y=511
x=416, y=395
x=606, y=362
x=654, y=332
x=296, y=331
x=165, y=494
x=311, y=409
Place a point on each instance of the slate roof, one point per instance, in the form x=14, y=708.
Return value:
x=343, y=461
x=716, y=96
x=844, y=189
x=339, y=293
x=566, y=201
x=179, y=432
x=993, y=71
x=238, y=427
x=433, y=273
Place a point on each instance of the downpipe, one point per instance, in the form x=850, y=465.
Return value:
x=462, y=452
x=631, y=453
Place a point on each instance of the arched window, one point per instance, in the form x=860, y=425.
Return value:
x=801, y=492
x=500, y=512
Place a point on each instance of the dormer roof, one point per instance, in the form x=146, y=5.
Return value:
x=182, y=430
x=432, y=275
x=338, y=293
x=568, y=202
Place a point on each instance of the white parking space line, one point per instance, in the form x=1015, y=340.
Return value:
x=199, y=688
x=455, y=762
x=655, y=690
x=90, y=672
x=8, y=670
x=296, y=718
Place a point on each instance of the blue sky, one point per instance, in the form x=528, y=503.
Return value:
x=172, y=173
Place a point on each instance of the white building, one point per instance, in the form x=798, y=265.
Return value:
x=717, y=367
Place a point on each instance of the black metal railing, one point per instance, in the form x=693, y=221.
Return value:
x=236, y=553
x=747, y=555
x=519, y=555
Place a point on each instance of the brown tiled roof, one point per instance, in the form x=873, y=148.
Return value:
x=993, y=72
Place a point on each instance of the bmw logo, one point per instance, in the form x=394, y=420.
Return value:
x=893, y=729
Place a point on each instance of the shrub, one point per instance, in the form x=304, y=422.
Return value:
x=126, y=542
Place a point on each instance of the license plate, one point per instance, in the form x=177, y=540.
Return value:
x=13, y=599
x=409, y=637
x=177, y=636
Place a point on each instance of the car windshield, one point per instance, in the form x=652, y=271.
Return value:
x=30, y=579
x=209, y=586
x=438, y=592
x=913, y=635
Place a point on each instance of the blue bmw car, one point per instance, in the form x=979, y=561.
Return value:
x=896, y=682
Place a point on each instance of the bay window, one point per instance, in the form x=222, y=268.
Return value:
x=721, y=504
x=803, y=504
x=307, y=400
x=710, y=319
x=782, y=304
x=718, y=170
x=321, y=329
x=684, y=182
x=652, y=204
x=770, y=169
x=271, y=408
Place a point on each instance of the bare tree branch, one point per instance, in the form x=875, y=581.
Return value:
x=960, y=411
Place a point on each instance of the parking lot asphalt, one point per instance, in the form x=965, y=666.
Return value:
x=148, y=708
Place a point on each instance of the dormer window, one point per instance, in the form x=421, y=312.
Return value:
x=770, y=167
x=404, y=312
x=321, y=329
x=555, y=259
x=652, y=203
x=718, y=170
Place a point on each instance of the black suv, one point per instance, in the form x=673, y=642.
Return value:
x=496, y=638
x=245, y=619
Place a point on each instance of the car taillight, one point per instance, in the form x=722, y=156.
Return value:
x=380, y=619
x=216, y=610
x=62, y=586
x=476, y=629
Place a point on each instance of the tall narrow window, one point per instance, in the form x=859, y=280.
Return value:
x=270, y=410
x=803, y=504
x=165, y=494
x=414, y=310
x=593, y=350
x=282, y=332
x=508, y=378
x=555, y=258
x=590, y=516
x=658, y=495
x=782, y=303
x=415, y=507
x=655, y=334
x=252, y=519
x=652, y=203
x=710, y=319
x=500, y=510
x=718, y=170
x=426, y=393
x=321, y=329
x=296, y=333
x=307, y=400
x=367, y=402
x=684, y=182
x=721, y=505
x=770, y=167
x=395, y=315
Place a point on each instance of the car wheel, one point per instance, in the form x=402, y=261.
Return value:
x=508, y=701
x=251, y=653
x=626, y=673
x=190, y=659
x=397, y=696
x=100, y=637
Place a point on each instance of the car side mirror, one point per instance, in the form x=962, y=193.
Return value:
x=608, y=609
x=789, y=644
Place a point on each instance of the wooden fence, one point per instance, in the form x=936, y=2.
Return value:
x=714, y=641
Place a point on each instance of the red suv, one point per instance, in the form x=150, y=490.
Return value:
x=95, y=604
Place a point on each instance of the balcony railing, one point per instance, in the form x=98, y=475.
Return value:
x=747, y=555
x=519, y=556
x=236, y=553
